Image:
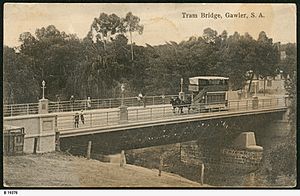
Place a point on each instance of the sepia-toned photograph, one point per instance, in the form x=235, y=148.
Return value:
x=176, y=95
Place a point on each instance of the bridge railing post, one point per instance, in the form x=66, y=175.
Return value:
x=263, y=103
x=11, y=110
x=57, y=141
x=58, y=110
x=151, y=113
x=285, y=101
x=35, y=144
x=91, y=119
x=238, y=105
x=107, y=118
x=27, y=108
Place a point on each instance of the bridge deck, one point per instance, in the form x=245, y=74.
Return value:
x=106, y=120
x=167, y=120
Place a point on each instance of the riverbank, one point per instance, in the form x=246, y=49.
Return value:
x=61, y=170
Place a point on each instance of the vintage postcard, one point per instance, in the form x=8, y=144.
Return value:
x=149, y=95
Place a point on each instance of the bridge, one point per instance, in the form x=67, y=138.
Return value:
x=141, y=125
x=109, y=120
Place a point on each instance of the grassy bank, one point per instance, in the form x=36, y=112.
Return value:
x=61, y=170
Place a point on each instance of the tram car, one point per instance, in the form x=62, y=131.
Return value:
x=208, y=93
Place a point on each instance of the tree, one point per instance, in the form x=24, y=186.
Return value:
x=53, y=55
x=268, y=57
x=131, y=24
x=284, y=157
x=98, y=64
x=291, y=88
x=209, y=35
x=104, y=27
x=18, y=78
x=288, y=63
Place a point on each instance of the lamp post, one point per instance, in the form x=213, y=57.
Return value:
x=181, y=93
x=43, y=87
x=250, y=74
x=43, y=103
x=123, y=108
x=255, y=87
x=181, y=85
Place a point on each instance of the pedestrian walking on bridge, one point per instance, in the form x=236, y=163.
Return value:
x=142, y=99
x=76, y=120
x=82, y=117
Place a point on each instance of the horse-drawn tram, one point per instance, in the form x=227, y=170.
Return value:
x=208, y=93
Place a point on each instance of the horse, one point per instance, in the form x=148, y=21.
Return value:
x=175, y=103
x=180, y=104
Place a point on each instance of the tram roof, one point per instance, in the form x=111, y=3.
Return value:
x=209, y=78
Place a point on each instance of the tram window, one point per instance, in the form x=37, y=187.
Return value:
x=215, y=98
x=204, y=82
x=214, y=82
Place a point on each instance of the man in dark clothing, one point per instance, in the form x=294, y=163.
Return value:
x=82, y=117
x=76, y=120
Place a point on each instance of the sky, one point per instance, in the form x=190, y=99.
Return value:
x=162, y=22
